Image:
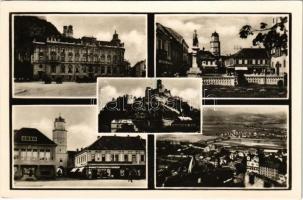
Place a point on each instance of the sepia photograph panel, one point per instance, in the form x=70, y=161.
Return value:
x=236, y=56
x=242, y=147
x=150, y=105
x=61, y=55
x=59, y=147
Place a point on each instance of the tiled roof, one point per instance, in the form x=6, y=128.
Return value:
x=206, y=55
x=251, y=53
x=118, y=143
x=31, y=132
x=171, y=32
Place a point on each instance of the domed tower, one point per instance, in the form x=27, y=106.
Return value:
x=116, y=38
x=215, y=44
x=60, y=138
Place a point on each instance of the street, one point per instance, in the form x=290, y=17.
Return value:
x=76, y=183
x=66, y=89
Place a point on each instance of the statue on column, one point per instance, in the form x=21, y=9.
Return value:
x=195, y=39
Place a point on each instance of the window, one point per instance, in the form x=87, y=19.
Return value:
x=103, y=157
x=284, y=63
x=77, y=69
x=102, y=58
x=23, y=154
x=102, y=70
x=259, y=62
x=28, y=154
x=109, y=58
x=41, y=154
x=93, y=157
x=35, y=154
x=62, y=56
x=62, y=69
x=16, y=154
x=77, y=56
x=53, y=55
x=142, y=158
x=134, y=158
x=245, y=61
x=70, y=56
x=84, y=69
x=28, y=138
x=240, y=61
x=47, y=154
x=70, y=69
x=125, y=157
x=116, y=158
x=53, y=69
x=264, y=61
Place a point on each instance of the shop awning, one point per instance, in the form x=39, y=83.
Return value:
x=241, y=68
x=74, y=170
x=81, y=169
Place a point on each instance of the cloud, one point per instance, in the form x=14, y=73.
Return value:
x=83, y=134
x=106, y=94
x=135, y=46
x=138, y=92
x=191, y=96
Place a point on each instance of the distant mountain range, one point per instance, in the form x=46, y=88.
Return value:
x=224, y=117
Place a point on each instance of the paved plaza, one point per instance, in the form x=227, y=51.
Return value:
x=66, y=89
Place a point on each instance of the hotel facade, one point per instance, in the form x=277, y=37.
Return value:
x=67, y=58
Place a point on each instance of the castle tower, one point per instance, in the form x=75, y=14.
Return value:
x=215, y=44
x=60, y=138
x=68, y=31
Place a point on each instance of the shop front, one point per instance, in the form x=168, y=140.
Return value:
x=99, y=171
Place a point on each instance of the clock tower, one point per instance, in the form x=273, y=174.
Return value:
x=60, y=138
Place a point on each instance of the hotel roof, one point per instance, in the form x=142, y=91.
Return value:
x=118, y=143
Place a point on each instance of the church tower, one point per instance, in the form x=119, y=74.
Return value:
x=60, y=138
x=215, y=44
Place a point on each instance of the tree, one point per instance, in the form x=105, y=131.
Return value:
x=270, y=37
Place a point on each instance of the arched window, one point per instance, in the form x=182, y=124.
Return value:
x=53, y=55
x=102, y=58
x=70, y=69
x=109, y=58
x=77, y=68
x=62, y=56
x=70, y=56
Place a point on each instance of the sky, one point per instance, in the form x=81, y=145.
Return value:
x=188, y=89
x=81, y=122
x=227, y=26
x=131, y=30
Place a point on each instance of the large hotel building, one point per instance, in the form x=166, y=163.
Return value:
x=71, y=59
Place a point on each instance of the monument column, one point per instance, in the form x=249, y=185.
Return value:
x=194, y=71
